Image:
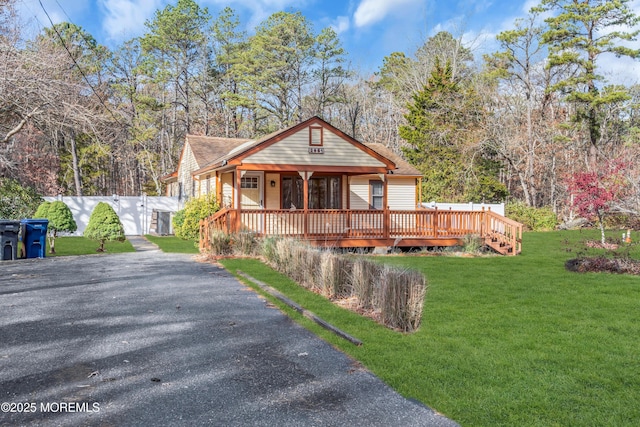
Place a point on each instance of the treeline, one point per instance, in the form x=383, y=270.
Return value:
x=78, y=118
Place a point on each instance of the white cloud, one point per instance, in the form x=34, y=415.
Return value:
x=624, y=70
x=35, y=19
x=526, y=7
x=372, y=11
x=341, y=24
x=124, y=18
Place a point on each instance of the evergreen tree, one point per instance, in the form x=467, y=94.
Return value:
x=104, y=225
x=176, y=43
x=442, y=132
x=579, y=35
x=60, y=219
x=279, y=66
x=228, y=45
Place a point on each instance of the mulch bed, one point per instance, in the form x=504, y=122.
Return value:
x=604, y=264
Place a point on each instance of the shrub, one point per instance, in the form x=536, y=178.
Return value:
x=534, y=219
x=16, y=201
x=622, y=221
x=42, y=210
x=187, y=225
x=177, y=221
x=104, y=225
x=60, y=219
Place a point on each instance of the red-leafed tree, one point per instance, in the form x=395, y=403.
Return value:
x=595, y=193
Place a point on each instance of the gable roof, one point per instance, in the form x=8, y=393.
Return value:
x=208, y=148
x=249, y=147
x=403, y=167
x=281, y=134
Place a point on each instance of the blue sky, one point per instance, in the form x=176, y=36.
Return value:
x=369, y=29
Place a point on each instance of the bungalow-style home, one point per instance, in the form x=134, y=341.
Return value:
x=315, y=182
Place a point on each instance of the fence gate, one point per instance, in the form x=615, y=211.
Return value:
x=161, y=222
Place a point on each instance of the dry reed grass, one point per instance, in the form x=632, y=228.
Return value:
x=392, y=296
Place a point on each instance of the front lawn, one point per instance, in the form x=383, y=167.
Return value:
x=78, y=245
x=174, y=244
x=504, y=340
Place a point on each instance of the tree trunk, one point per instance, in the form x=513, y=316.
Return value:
x=601, y=221
x=77, y=178
x=52, y=242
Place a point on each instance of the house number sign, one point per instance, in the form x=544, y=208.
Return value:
x=316, y=150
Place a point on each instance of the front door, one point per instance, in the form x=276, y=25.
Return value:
x=251, y=191
x=251, y=200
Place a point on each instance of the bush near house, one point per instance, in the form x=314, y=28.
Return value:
x=104, y=225
x=186, y=222
x=60, y=219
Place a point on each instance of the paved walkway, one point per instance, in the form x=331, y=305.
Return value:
x=150, y=339
x=141, y=244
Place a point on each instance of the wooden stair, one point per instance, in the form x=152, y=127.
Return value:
x=499, y=247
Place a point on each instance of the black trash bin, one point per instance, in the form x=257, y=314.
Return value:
x=9, y=231
x=34, y=237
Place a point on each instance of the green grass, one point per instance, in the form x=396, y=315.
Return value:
x=174, y=244
x=504, y=340
x=75, y=245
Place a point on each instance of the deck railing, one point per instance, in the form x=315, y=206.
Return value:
x=337, y=224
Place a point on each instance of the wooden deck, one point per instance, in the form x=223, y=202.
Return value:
x=371, y=228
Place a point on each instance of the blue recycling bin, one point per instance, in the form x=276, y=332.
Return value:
x=34, y=237
x=9, y=239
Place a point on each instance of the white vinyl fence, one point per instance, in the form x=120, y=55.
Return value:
x=495, y=207
x=139, y=215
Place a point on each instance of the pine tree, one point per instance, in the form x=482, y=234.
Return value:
x=441, y=133
x=579, y=35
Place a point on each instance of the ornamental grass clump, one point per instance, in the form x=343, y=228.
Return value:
x=392, y=296
x=219, y=243
x=363, y=281
x=244, y=243
x=310, y=270
x=401, y=298
x=332, y=276
x=268, y=249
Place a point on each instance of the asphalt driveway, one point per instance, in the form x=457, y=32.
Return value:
x=149, y=339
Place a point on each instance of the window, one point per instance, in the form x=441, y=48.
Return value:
x=315, y=135
x=376, y=195
x=324, y=192
x=249, y=182
x=292, y=193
